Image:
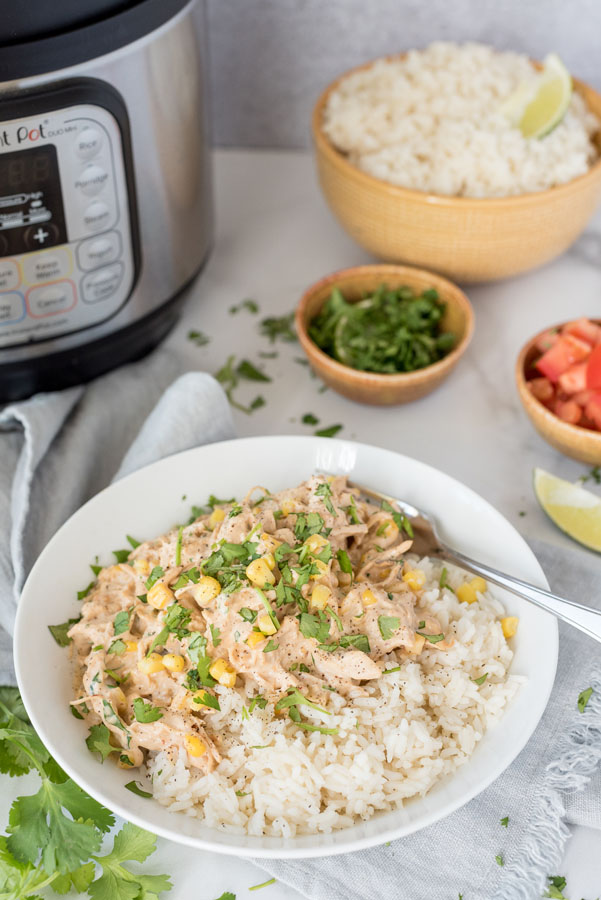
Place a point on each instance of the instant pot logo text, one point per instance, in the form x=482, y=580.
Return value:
x=29, y=134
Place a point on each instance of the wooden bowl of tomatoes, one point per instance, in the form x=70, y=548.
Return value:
x=558, y=375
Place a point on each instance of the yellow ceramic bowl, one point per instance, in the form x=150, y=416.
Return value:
x=370, y=387
x=464, y=238
x=580, y=443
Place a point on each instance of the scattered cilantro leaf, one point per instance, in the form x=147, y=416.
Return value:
x=583, y=699
x=121, y=621
x=117, y=882
x=358, y=641
x=59, y=632
x=499, y=860
x=271, y=645
x=98, y=741
x=433, y=638
x=344, y=562
x=199, y=338
x=146, y=712
x=557, y=883
x=388, y=625
x=257, y=887
x=309, y=418
x=330, y=431
x=84, y=593
x=154, y=576
x=206, y=699
x=121, y=555
x=480, y=680
x=505, y=821
x=247, y=370
x=215, y=632
x=135, y=788
x=443, y=582
x=249, y=615
x=132, y=541
x=279, y=328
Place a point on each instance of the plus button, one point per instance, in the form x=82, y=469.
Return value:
x=40, y=236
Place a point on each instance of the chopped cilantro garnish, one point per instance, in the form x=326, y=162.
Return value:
x=121, y=555
x=251, y=305
x=480, y=680
x=309, y=418
x=499, y=860
x=401, y=521
x=59, y=632
x=198, y=337
x=121, y=621
x=135, y=788
x=154, y=576
x=234, y=511
x=84, y=593
x=206, y=699
x=433, y=638
x=583, y=699
x=98, y=741
x=295, y=698
x=271, y=645
x=557, y=883
x=117, y=647
x=312, y=626
x=197, y=651
x=308, y=524
x=344, y=562
x=358, y=641
x=307, y=727
x=132, y=541
x=146, y=712
x=249, y=615
x=178, y=546
x=279, y=327
x=352, y=511
x=388, y=671
x=256, y=887
x=215, y=632
x=505, y=821
x=325, y=492
x=158, y=640
x=443, y=583
x=269, y=610
x=388, y=625
x=259, y=701
x=329, y=432
x=250, y=372
x=335, y=617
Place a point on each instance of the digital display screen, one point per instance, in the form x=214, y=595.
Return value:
x=31, y=204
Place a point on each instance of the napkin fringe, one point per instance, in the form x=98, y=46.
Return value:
x=579, y=756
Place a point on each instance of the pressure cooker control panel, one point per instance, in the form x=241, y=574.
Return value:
x=66, y=256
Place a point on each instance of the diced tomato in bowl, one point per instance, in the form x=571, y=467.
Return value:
x=563, y=372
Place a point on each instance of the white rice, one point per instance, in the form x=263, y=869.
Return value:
x=414, y=727
x=432, y=122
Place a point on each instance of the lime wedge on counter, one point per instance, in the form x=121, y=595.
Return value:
x=572, y=508
x=540, y=104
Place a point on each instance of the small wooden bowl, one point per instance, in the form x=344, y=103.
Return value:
x=468, y=239
x=370, y=387
x=580, y=443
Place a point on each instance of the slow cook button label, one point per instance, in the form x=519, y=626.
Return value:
x=52, y=299
x=101, y=284
x=12, y=308
x=9, y=275
x=98, y=251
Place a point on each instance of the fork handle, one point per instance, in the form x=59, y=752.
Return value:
x=582, y=617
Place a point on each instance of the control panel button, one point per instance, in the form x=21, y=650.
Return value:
x=98, y=251
x=51, y=300
x=92, y=180
x=88, y=143
x=48, y=265
x=38, y=236
x=9, y=275
x=102, y=283
x=96, y=216
x=12, y=308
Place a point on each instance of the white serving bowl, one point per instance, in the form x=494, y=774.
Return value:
x=150, y=501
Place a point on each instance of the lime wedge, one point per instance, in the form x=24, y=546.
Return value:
x=572, y=508
x=540, y=103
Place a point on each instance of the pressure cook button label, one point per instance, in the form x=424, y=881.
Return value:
x=92, y=180
x=9, y=275
x=51, y=300
x=98, y=251
x=101, y=284
x=96, y=216
x=88, y=143
x=12, y=308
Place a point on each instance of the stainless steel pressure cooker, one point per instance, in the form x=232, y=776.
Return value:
x=105, y=189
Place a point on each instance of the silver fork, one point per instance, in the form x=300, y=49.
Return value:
x=427, y=542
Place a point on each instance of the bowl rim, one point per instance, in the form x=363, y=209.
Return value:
x=380, y=379
x=568, y=431
x=324, y=145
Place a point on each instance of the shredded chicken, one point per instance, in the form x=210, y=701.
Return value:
x=302, y=591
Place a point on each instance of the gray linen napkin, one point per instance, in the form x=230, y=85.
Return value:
x=57, y=450
x=552, y=782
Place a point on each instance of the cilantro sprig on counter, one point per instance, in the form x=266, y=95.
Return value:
x=55, y=835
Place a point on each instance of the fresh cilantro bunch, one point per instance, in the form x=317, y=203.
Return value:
x=54, y=836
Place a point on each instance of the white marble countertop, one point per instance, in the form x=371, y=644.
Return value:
x=275, y=236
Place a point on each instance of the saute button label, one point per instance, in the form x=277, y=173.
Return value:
x=101, y=284
x=88, y=143
x=12, y=308
x=51, y=300
x=96, y=216
x=91, y=180
x=98, y=251
x=9, y=275
x=43, y=267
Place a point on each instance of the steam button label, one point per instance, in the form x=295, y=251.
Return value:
x=96, y=216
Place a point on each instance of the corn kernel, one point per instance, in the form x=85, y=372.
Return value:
x=269, y=542
x=141, y=566
x=118, y=699
x=194, y=746
x=206, y=590
x=150, y=665
x=415, y=578
x=320, y=596
x=255, y=638
x=315, y=543
x=478, y=584
x=418, y=643
x=259, y=573
x=217, y=516
x=266, y=625
x=390, y=529
x=174, y=662
x=223, y=672
x=159, y=596
x=322, y=567
x=131, y=646
x=368, y=598
x=509, y=625
x=288, y=507
x=270, y=560
x=466, y=593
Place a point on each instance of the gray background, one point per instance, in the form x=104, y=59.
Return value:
x=271, y=58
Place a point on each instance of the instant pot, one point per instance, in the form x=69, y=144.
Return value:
x=105, y=188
